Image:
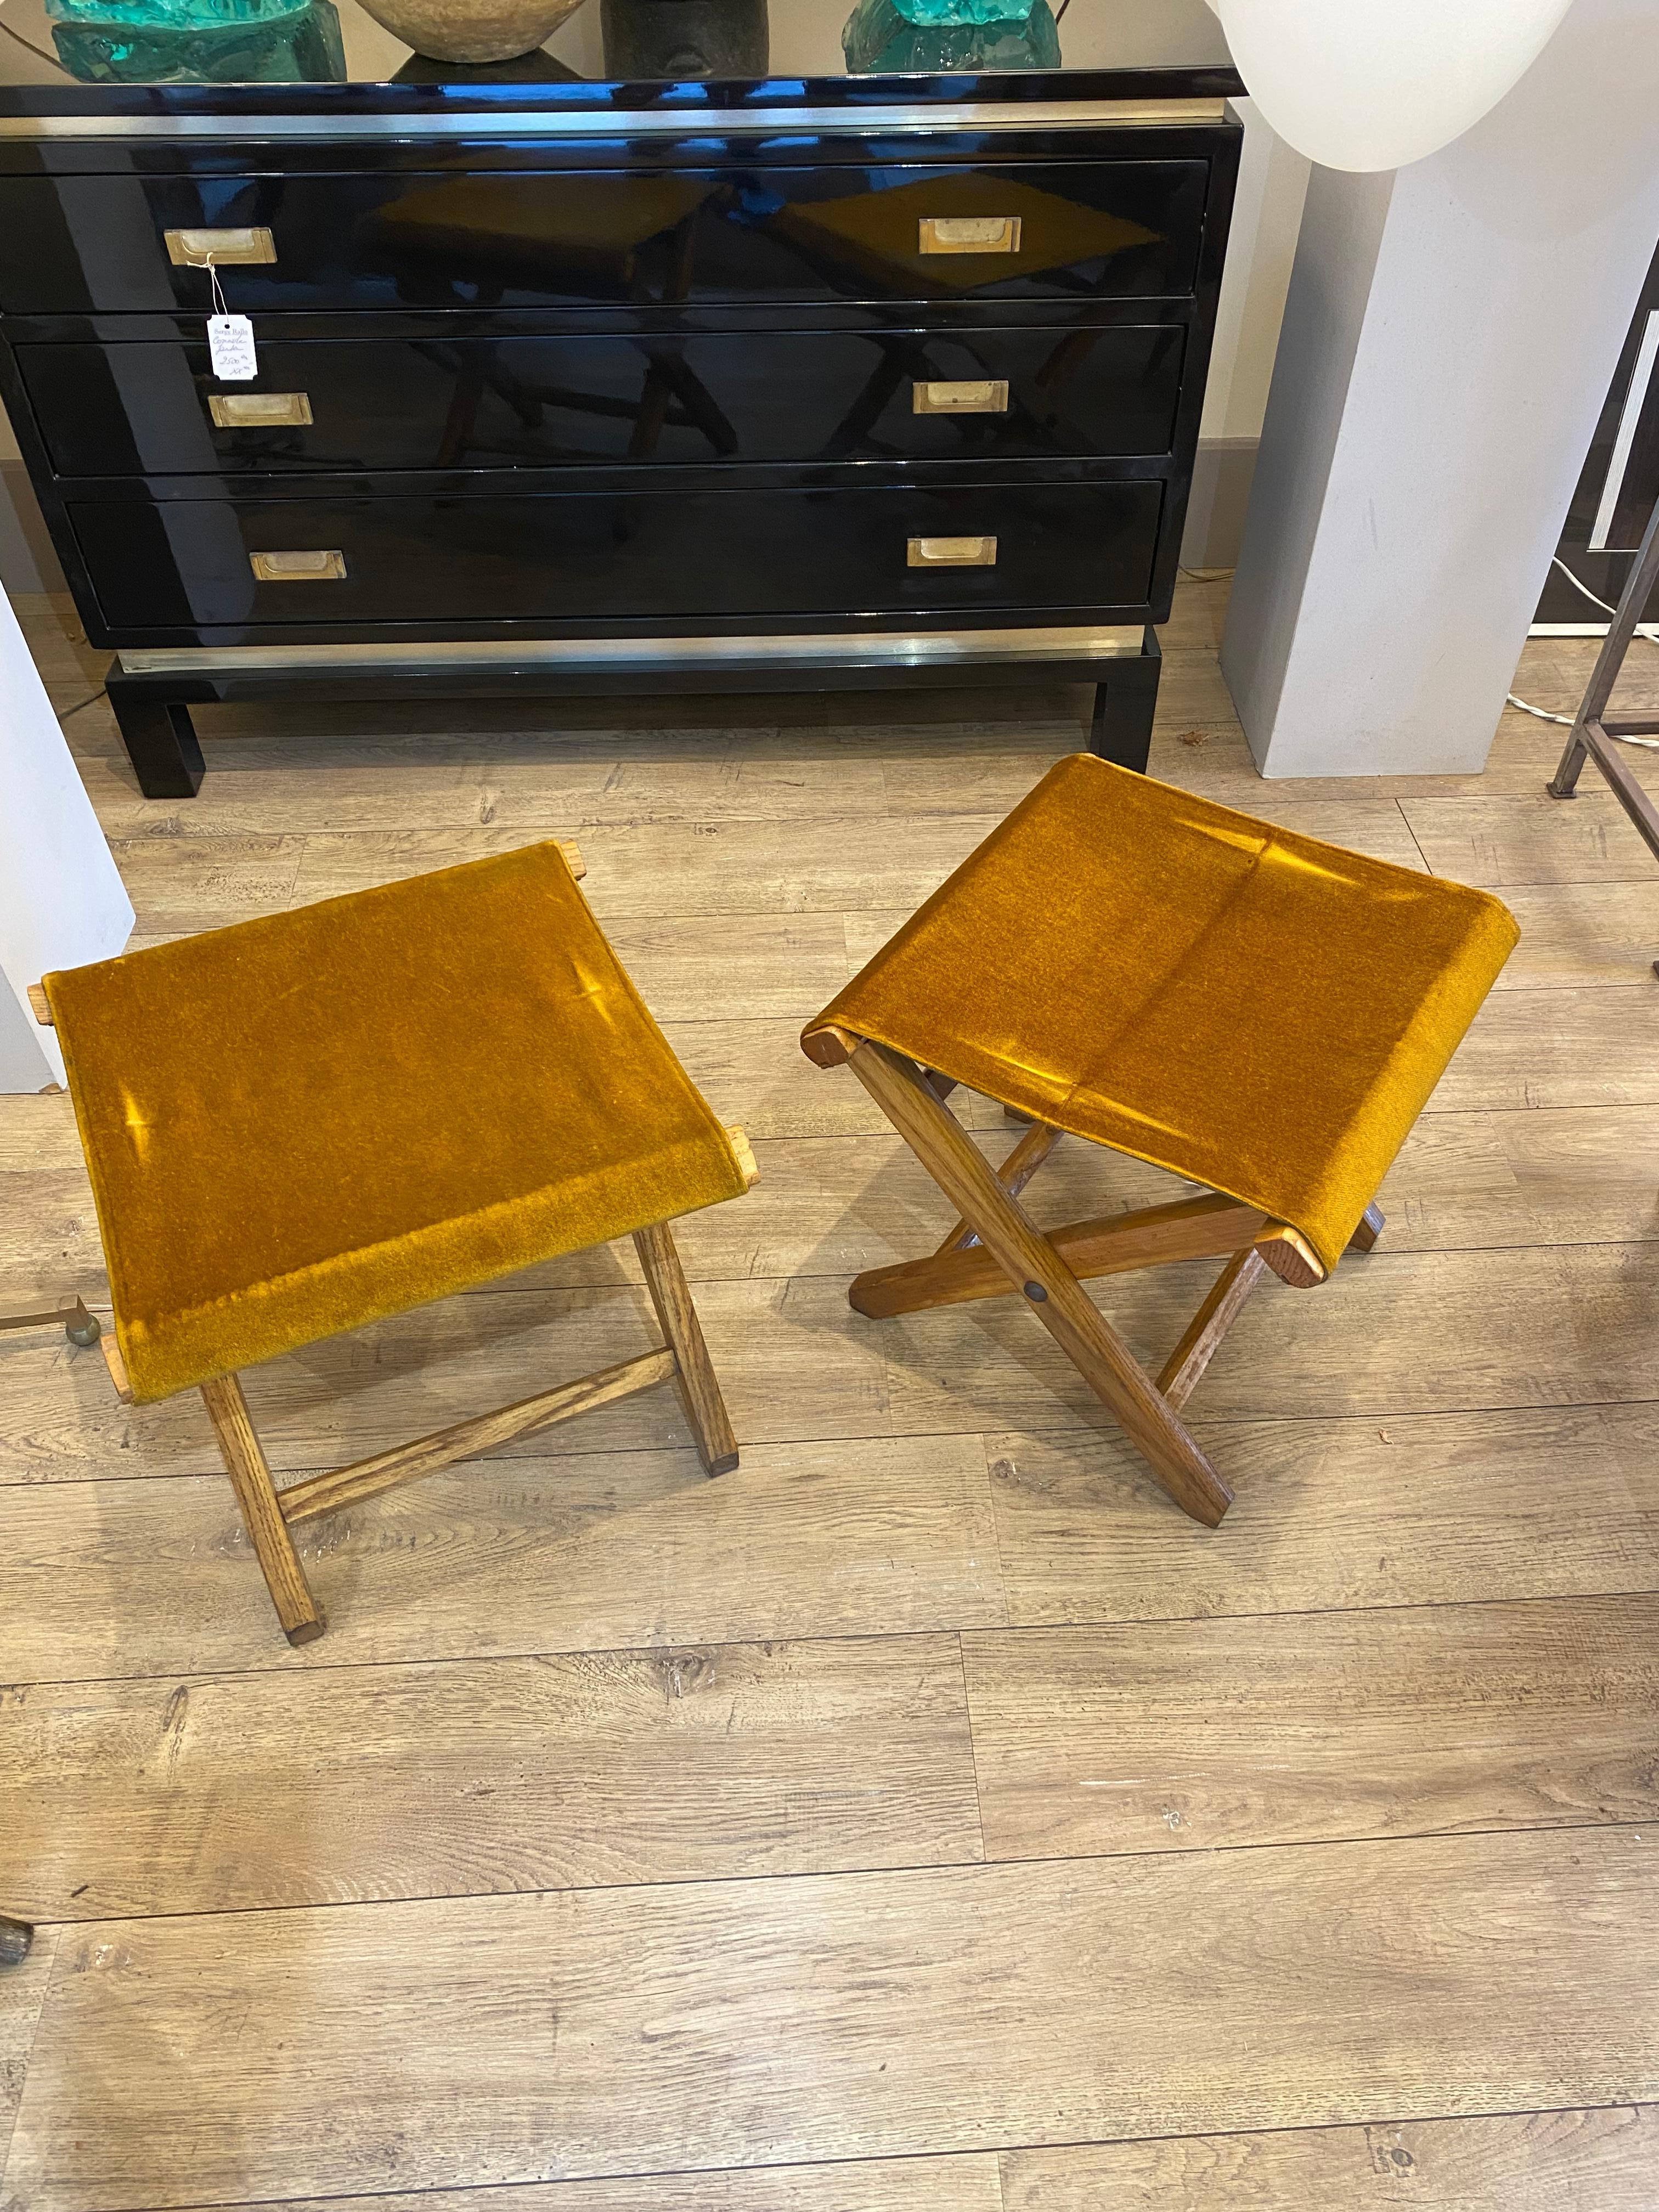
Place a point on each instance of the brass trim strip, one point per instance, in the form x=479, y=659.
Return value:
x=653, y=123
x=319, y=567
x=194, y=249
x=988, y=398
x=629, y=655
x=241, y=411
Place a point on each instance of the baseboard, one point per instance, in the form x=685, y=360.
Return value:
x=1222, y=476
x=27, y=563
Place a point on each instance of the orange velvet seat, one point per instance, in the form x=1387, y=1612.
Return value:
x=1259, y=1012
x=308, y=1122
x=1252, y=1009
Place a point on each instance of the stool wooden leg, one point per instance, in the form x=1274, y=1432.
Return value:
x=1371, y=1224
x=262, y=1513
x=1030, y=1262
x=698, y=1386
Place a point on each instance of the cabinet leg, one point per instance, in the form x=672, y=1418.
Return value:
x=1126, y=700
x=160, y=739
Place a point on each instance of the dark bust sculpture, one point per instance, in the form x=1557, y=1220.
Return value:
x=685, y=39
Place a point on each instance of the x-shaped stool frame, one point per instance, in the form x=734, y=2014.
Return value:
x=996, y=1247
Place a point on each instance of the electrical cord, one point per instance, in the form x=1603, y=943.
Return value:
x=1648, y=630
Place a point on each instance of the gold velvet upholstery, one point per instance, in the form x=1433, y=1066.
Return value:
x=305, y=1123
x=1260, y=1012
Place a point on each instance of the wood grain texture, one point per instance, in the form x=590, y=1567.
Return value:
x=22, y=1993
x=1185, y=1229
x=370, y=1478
x=834, y=1204
x=839, y=2016
x=727, y=864
x=1498, y=842
x=256, y=1495
x=595, y=1552
x=1400, y=1334
x=682, y=1763
x=1102, y=1360
x=1184, y=1369
x=910, y=2185
x=695, y=1378
x=1425, y=1721
x=1572, y=1047
x=1574, y=2161
x=1585, y=1175
x=559, y=1625
x=1424, y=1510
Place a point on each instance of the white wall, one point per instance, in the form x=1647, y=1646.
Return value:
x=1451, y=336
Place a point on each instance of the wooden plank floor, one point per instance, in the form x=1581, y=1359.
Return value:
x=925, y=1818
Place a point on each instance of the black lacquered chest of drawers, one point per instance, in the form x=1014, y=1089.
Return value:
x=581, y=385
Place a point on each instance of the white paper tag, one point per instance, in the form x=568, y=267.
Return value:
x=230, y=347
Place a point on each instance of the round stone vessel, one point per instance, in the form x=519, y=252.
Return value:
x=471, y=30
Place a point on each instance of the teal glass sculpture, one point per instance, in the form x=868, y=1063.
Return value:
x=199, y=41
x=913, y=36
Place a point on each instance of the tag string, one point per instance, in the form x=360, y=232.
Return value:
x=219, y=305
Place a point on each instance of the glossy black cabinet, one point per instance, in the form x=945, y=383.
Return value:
x=543, y=237
x=578, y=558
x=564, y=386
x=322, y=406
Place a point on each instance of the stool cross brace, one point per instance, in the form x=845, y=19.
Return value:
x=995, y=1248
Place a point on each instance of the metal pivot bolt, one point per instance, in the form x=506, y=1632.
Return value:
x=1036, y=1294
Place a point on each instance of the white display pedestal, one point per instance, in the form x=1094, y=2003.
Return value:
x=62, y=903
x=1449, y=336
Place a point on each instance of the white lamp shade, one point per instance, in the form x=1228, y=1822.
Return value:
x=1372, y=84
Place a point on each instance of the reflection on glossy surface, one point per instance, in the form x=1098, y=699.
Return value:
x=686, y=40
x=144, y=45
x=911, y=36
x=563, y=401
x=504, y=239
x=567, y=560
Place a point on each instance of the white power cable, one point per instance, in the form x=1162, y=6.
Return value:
x=1648, y=630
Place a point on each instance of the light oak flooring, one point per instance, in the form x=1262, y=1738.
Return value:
x=926, y=1818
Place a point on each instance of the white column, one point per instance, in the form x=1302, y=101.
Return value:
x=1449, y=336
x=62, y=903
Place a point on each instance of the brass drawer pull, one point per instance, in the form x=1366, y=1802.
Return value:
x=988, y=398
x=319, y=568
x=953, y=553
x=194, y=249
x=970, y=234
x=234, y=410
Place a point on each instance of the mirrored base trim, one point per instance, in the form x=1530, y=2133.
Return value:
x=551, y=122
x=858, y=649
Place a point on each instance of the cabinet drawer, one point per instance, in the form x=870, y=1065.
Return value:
x=561, y=560
x=381, y=239
x=356, y=404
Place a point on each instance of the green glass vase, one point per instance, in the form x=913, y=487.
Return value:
x=199, y=41
x=915, y=36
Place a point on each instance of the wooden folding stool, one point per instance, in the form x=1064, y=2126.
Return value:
x=1261, y=1014
x=314, y=1121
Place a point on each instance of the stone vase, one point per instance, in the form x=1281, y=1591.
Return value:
x=471, y=30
